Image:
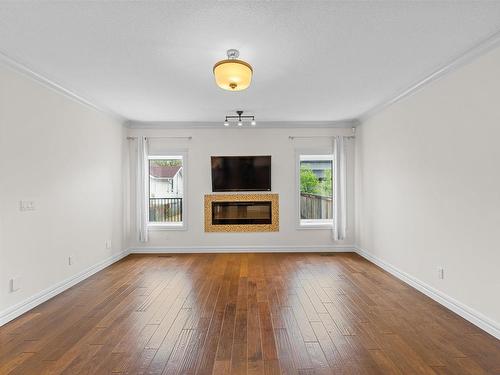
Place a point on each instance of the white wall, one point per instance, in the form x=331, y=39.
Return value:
x=67, y=158
x=246, y=141
x=428, y=185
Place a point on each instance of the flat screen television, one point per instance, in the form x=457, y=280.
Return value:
x=241, y=173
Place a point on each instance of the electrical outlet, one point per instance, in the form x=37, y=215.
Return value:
x=71, y=260
x=108, y=244
x=440, y=273
x=14, y=284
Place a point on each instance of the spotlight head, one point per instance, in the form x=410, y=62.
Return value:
x=240, y=123
x=253, y=123
x=226, y=123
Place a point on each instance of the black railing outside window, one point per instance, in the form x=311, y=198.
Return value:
x=165, y=209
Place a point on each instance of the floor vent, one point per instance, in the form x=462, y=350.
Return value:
x=164, y=256
x=327, y=254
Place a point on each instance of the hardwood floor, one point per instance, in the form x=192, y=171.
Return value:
x=244, y=314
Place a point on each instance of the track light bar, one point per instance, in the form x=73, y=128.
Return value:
x=240, y=118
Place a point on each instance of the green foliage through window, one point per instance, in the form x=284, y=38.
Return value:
x=311, y=184
x=167, y=162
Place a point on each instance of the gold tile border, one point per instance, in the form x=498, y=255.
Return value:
x=275, y=209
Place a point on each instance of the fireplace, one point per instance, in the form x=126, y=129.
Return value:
x=241, y=213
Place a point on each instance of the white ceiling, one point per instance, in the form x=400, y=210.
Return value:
x=313, y=61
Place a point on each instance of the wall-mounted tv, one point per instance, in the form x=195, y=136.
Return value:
x=241, y=173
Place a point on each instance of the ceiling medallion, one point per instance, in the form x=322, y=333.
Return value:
x=240, y=118
x=233, y=74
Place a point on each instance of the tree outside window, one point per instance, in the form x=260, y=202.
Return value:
x=316, y=189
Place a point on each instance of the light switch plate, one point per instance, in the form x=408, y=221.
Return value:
x=26, y=206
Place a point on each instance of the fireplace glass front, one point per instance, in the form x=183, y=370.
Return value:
x=258, y=212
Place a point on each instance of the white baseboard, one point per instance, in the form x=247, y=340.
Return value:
x=13, y=312
x=457, y=307
x=466, y=312
x=240, y=249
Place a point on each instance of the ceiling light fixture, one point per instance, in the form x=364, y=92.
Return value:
x=239, y=116
x=233, y=74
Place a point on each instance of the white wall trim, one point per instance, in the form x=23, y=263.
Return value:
x=457, y=307
x=240, y=249
x=13, y=312
x=349, y=123
x=53, y=85
x=466, y=312
x=462, y=59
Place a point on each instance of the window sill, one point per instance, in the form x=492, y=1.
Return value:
x=314, y=225
x=166, y=226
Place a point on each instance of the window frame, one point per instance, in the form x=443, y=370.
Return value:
x=311, y=223
x=161, y=226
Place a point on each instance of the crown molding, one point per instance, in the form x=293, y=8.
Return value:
x=57, y=87
x=350, y=123
x=480, y=48
x=465, y=57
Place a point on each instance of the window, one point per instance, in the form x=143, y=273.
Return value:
x=315, y=190
x=166, y=191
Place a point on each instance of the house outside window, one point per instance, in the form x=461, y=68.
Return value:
x=315, y=190
x=166, y=191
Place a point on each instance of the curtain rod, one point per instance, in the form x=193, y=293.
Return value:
x=318, y=136
x=172, y=137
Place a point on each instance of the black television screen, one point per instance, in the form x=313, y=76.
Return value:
x=241, y=173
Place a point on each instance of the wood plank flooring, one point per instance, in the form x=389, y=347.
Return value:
x=244, y=314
